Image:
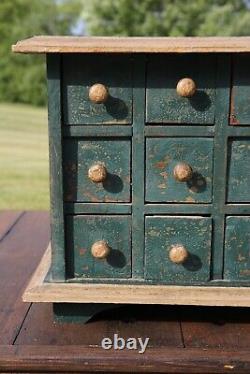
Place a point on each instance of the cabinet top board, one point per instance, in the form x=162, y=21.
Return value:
x=75, y=44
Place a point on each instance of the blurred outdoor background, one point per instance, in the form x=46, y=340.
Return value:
x=23, y=116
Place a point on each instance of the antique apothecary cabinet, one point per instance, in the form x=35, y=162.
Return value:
x=150, y=172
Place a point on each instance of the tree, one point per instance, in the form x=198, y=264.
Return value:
x=22, y=77
x=167, y=17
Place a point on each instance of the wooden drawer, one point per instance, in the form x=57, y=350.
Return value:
x=237, y=249
x=80, y=73
x=114, y=232
x=177, y=249
x=165, y=105
x=166, y=160
x=240, y=94
x=110, y=157
x=239, y=171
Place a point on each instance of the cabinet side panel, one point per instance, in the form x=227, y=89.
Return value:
x=56, y=177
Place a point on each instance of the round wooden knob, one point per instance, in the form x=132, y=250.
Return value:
x=100, y=249
x=186, y=87
x=97, y=173
x=98, y=93
x=178, y=254
x=183, y=172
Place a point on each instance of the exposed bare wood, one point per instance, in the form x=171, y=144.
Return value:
x=40, y=291
x=72, y=44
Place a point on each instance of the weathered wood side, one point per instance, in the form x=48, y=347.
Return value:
x=56, y=175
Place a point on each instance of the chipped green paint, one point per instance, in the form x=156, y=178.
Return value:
x=239, y=171
x=240, y=95
x=83, y=231
x=237, y=248
x=194, y=233
x=162, y=156
x=80, y=72
x=80, y=155
x=164, y=105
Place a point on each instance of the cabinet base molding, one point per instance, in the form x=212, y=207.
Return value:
x=40, y=290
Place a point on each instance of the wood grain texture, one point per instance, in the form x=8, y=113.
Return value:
x=87, y=359
x=133, y=320
x=7, y=221
x=221, y=328
x=17, y=263
x=165, y=105
x=71, y=44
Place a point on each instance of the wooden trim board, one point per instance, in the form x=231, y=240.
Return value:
x=40, y=291
x=74, y=44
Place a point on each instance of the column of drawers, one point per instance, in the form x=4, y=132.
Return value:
x=97, y=94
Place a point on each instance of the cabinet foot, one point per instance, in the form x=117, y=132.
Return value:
x=78, y=313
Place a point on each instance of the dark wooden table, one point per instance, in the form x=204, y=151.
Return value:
x=182, y=339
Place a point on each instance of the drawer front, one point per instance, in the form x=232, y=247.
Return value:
x=240, y=94
x=178, y=249
x=237, y=249
x=165, y=104
x=114, y=96
x=239, y=171
x=167, y=163
x=111, y=157
x=88, y=237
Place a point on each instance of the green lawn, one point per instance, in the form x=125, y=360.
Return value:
x=23, y=157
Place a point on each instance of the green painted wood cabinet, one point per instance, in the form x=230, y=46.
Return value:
x=149, y=161
x=168, y=130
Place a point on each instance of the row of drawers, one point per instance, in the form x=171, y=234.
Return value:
x=177, y=249
x=179, y=89
x=177, y=170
